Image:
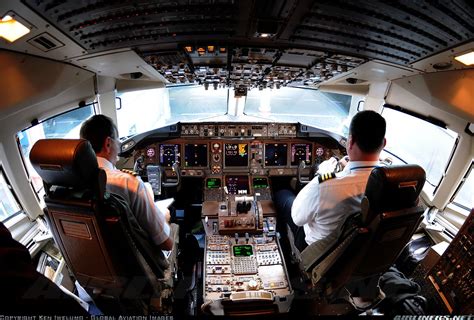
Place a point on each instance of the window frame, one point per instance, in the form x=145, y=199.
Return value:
x=33, y=124
x=12, y=190
x=461, y=184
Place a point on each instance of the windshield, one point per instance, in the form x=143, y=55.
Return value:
x=164, y=106
x=319, y=109
x=145, y=110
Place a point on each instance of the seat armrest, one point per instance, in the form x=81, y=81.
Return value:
x=328, y=261
x=316, y=251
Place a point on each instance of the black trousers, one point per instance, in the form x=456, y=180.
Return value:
x=283, y=200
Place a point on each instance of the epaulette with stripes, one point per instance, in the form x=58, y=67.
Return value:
x=326, y=176
x=130, y=172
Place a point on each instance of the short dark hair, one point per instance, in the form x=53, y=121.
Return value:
x=368, y=130
x=96, y=129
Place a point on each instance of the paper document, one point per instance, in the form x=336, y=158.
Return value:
x=162, y=205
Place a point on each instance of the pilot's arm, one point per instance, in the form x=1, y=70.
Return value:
x=306, y=204
x=151, y=218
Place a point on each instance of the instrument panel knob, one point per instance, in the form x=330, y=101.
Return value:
x=253, y=285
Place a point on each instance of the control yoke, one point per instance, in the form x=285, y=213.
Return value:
x=301, y=178
x=167, y=182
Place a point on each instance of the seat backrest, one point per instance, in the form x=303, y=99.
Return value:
x=97, y=234
x=390, y=215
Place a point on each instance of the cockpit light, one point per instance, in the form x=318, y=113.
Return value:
x=11, y=29
x=466, y=58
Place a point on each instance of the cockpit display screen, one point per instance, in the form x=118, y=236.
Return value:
x=169, y=154
x=276, y=154
x=236, y=155
x=213, y=183
x=237, y=184
x=242, y=250
x=195, y=155
x=260, y=183
x=301, y=152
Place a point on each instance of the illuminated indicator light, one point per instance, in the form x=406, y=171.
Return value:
x=210, y=49
x=188, y=49
x=11, y=29
x=201, y=51
x=222, y=50
x=242, y=149
x=466, y=58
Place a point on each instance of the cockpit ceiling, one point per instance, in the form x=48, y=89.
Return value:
x=263, y=43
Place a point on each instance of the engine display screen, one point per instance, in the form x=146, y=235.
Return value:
x=260, y=183
x=213, y=183
x=242, y=250
x=301, y=152
x=276, y=154
x=236, y=155
x=195, y=155
x=169, y=154
x=237, y=184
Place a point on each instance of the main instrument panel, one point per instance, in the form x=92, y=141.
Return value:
x=221, y=147
x=238, y=158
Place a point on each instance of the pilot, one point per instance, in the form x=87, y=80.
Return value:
x=323, y=204
x=103, y=136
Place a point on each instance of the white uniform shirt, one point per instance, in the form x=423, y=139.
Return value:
x=133, y=190
x=320, y=208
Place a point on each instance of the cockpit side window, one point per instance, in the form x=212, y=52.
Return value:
x=65, y=125
x=413, y=140
x=9, y=205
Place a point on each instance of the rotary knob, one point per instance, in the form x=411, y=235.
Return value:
x=253, y=285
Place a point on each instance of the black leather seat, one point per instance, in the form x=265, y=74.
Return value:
x=354, y=256
x=100, y=239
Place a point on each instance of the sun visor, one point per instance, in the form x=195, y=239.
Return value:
x=449, y=91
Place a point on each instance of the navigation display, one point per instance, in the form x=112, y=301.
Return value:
x=236, y=155
x=301, y=152
x=276, y=154
x=169, y=154
x=237, y=184
x=195, y=155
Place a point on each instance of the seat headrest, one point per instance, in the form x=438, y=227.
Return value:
x=65, y=162
x=393, y=188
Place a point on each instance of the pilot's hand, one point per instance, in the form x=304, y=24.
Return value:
x=167, y=215
x=343, y=162
x=327, y=166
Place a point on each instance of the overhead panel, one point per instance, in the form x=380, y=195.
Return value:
x=264, y=43
x=397, y=31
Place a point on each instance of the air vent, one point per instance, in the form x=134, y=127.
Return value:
x=45, y=42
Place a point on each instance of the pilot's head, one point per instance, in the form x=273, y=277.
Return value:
x=103, y=136
x=366, y=136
